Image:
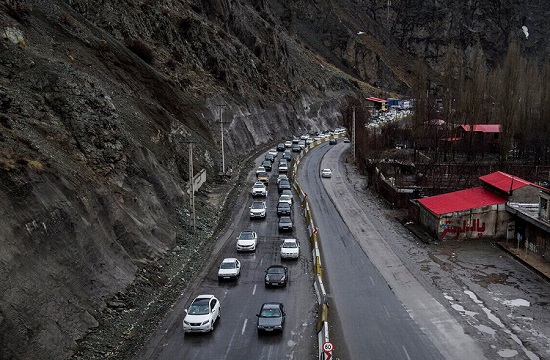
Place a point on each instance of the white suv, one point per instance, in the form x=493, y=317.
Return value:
x=258, y=209
x=290, y=249
x=259, y=189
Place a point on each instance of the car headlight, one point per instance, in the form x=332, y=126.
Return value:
x=186, y=323
x=205, y=322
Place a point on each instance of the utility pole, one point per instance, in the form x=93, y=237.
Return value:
x=220, y=107
x=191, y=188
x=353, y=132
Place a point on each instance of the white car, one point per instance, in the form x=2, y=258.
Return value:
x=290, y=249
x=247, y=241
x=202, y=314
x=326, y=173
x=288, y=144
x=273, y=152
x=258, y=209
x=229, y=269
x=283, y=168
x=286, y=198
x=259, y=189
x=260, y=169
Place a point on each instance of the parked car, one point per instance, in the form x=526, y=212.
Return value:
x=332, y=142
x=258, y=209
x=326, y=173
x=230, y=269
x=271, y=317
x=247, y=241
x=281, y=147
x=259, y=189
x=290, y=249
x=285, y=223
x=202, y=314
x=283, y=208
x=267, y=164
x=263, y=177
x=283, y=185
x=276, y=275
x=282, y=177
x=286, y=198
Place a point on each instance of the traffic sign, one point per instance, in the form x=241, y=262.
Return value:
x=328, y=347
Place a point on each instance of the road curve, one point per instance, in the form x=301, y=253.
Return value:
x=379, y=310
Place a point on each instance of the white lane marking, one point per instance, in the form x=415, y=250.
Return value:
x=371, y=280
x=386, y=310
x=254, y=290
x=244, y=327
x=261, y=261
x=406, y=353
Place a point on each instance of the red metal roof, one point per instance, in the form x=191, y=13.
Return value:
x=486, y=128
x=461, y=200
x=375, y=99
x=505, y=182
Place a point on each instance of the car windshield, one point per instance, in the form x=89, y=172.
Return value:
x=271, y=313
x=258, y=185
x=285, y=197
x=246, y=236
x=257, y=205
x=289, y=244
x=285, y=219
x=284, y=204
x=276, y=270
x=227, y=265
x=199, y=307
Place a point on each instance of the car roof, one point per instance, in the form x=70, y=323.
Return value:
x=229, y=260
x=277, y=266
x=290, y=240
x=271, y=305
x=204, y=296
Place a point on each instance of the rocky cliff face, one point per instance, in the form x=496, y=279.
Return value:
x=100, y=99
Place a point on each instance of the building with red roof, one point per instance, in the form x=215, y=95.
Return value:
x=480, y=136
x=477, y=212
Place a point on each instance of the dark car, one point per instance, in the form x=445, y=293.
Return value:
x=283, y=185
x=285, y=223
x=283, y=208
x=296, y=148
x=332, y=142
x=267, y=165
x=276, y=275
x=287, y=155
x=281, y=147
x=271, y=317
x=270, y=157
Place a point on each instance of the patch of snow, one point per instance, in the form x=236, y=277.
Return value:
x=473, y=296
x=507, y=353
x=486, y=329
x=360, y=33
x=517, y=302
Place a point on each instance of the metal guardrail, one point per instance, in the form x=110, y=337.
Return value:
x=322, y=323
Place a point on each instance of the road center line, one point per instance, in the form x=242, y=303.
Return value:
x=371, y=280
x=254, y=290
x=386, y=310
x=246, y=320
